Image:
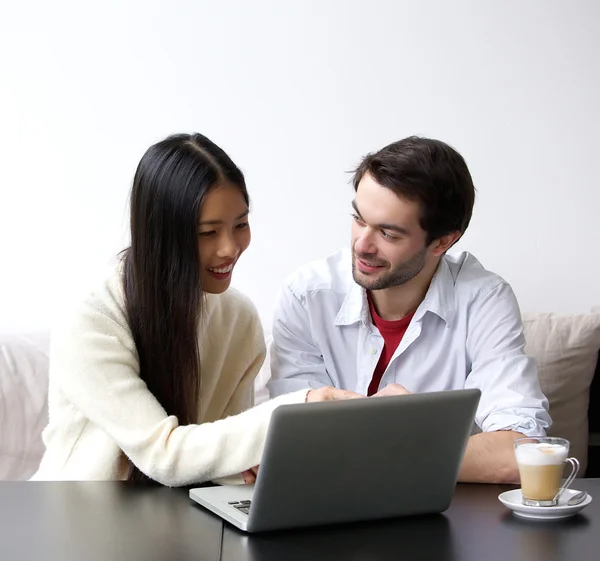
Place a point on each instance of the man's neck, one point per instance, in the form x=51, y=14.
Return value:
x=400, y=301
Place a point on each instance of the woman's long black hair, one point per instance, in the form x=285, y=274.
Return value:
x=163, y=292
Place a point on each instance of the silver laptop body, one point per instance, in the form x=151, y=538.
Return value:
x=352, y=460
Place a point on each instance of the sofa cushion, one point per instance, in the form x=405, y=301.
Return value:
x=23, y=403
x=566, y=350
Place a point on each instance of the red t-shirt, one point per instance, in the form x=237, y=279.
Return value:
x=392, y=333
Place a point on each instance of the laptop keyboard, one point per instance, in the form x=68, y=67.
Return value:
x=241, y=506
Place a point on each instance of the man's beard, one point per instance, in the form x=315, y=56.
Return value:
x=398, y=275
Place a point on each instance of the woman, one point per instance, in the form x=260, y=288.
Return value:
x=150, y=376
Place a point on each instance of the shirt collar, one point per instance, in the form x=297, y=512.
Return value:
x=438, y=300
x=440, y=295
x=355, y=307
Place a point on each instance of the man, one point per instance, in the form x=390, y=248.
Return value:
x=397, y=315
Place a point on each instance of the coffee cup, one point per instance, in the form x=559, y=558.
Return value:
x=541, y=462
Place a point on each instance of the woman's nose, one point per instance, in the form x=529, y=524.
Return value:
x=228, y=247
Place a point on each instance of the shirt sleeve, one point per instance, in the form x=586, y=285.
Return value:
x=511, y=397
x=296, y=362
x=95, y=364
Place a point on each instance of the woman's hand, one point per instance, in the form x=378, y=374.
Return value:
x=250, y=475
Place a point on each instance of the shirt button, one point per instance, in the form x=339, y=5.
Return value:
x=373, y=351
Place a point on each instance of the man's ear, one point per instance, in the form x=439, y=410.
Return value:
x=443, y=244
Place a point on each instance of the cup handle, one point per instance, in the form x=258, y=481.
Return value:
x=574, y=471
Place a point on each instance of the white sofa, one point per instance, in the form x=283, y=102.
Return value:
x=23, y=402
x=566, y=349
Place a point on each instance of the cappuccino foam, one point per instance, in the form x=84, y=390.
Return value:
x=541, y=454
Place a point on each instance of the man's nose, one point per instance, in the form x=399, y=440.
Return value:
x=365, y=242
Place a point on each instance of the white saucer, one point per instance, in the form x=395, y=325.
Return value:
x=512, y=499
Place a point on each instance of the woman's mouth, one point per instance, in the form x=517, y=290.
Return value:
x=222, y=272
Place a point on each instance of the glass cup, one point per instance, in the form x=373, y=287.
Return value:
x=541, y=462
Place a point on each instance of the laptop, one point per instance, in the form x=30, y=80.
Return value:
x=352, y=460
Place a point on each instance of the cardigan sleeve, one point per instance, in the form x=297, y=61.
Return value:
x=95, y=363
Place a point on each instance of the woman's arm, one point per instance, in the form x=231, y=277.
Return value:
x=95, y=364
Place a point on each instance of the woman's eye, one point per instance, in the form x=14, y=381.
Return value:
x=242, y=226
x=207, y=234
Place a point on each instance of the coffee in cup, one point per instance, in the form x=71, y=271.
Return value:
x=541, y=464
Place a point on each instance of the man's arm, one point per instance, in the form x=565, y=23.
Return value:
x=490, y=458
x=296, y=362
x=511, y=397
x=512, y=404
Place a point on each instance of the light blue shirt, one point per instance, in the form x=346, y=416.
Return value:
x=467, y=333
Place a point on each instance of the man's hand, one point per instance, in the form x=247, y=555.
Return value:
x=392, y=389
x=330, y=394
x=250, y=475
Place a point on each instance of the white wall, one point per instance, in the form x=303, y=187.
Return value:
x=297, y=93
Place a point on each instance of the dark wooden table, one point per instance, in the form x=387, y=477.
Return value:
x=114, y=521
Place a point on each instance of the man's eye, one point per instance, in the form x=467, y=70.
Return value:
x=357, y=218
x=389, y=236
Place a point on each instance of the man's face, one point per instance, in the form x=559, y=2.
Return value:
x=388, y=244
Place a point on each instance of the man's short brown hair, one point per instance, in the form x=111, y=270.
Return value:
x=430, y=173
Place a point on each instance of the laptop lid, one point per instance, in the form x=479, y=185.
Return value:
x=359, y=459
